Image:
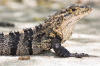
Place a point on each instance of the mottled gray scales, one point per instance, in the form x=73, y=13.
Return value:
x=37, y=48
x=4, y=47
x=22, y=47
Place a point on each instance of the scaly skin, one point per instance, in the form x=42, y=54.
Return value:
x=56, y=29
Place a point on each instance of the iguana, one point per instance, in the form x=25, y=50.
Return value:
x=56, y=29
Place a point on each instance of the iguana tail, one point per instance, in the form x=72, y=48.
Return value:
x=16, y=43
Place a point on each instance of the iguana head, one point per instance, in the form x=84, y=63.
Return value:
x=71, y=16
x=68, y=17
x=77, y=11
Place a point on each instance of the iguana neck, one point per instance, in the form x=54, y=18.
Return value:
x=64, y=21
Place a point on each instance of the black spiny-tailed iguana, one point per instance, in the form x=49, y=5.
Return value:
x=56, y=29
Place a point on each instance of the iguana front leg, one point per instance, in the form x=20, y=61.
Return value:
x=63, y=52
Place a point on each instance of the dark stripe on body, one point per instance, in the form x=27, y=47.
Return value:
x=1, y=37
x=30, y=41
x=25, y=45
x=13, y=42
x=28, y=37
x=1, y=42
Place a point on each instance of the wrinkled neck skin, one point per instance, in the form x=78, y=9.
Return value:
x=67, y=26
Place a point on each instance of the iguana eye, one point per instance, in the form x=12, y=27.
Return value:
x=74, y=9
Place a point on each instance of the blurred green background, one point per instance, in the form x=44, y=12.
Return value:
x=27, y=13
x=34, y=10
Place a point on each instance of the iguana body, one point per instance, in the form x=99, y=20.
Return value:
x=56, y=29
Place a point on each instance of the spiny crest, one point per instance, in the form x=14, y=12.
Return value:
x=25, y=30
x=39, y=27
x=16, y=32
x=1, y=35
x=29, y=29
x=11, y=33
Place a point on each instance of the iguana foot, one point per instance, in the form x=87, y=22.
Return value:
x=79, y=55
